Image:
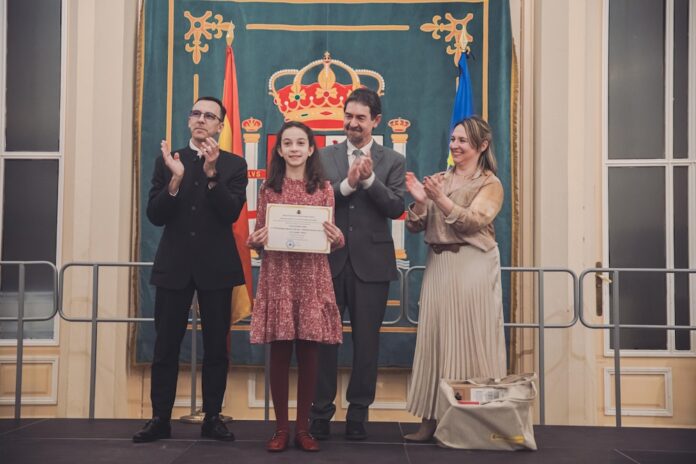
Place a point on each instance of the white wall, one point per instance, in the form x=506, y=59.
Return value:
x=97, y=201
x=567, y=173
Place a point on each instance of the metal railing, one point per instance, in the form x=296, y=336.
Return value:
x=578, y=300
x=616, y=326
x=94, y=320
x=21, y=319
x=400, y=314
x=540, y=325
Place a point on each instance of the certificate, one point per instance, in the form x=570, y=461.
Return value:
x=297, y=228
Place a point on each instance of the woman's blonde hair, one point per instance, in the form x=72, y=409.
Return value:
x=479, y=131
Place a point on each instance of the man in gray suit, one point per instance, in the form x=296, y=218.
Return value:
x=368, y=183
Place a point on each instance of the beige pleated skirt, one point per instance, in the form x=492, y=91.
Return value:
x=460, y=328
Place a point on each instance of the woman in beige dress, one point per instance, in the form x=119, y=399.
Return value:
x=460, y=328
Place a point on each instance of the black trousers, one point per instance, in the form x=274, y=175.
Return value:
x=171, y=318
x=366, y=303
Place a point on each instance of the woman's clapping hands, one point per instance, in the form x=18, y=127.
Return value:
x=434, y=186
x=415, y=188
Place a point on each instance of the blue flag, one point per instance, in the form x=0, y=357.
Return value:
x=463, y=101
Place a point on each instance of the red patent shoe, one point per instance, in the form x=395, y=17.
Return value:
x=279, y=441
x=305, y=442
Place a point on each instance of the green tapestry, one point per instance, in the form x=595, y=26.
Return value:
x=409, y=50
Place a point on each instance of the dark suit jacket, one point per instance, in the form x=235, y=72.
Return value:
x=363, y=216
x=197, y=241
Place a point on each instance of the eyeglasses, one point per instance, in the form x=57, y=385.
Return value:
x=210, y=117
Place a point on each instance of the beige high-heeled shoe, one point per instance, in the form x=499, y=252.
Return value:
x=425, y=432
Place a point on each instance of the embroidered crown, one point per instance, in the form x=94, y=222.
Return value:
x=318, y=104
x=251, y=124
x=399, y=125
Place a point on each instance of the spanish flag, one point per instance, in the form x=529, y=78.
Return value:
x=231, y=140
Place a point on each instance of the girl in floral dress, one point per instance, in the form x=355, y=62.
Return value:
x=295, y=302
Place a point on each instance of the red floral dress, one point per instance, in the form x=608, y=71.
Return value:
x=294, y=296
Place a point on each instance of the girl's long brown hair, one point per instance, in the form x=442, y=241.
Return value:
x=314, y=174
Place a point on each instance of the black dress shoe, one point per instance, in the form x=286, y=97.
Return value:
x=355, y=430
x=320, y=429
x=213, y=427
x=154, y=429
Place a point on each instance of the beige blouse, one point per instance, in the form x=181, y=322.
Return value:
x=476, y=203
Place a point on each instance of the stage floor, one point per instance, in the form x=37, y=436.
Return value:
x=74, y=441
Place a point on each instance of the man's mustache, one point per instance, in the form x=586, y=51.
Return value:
x=357, y=129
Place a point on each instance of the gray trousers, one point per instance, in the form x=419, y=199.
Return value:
x=366, y=303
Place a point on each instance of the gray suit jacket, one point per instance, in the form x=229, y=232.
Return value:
x=363, y=215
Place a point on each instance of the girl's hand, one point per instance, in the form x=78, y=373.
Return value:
x=258, y=238
x=332, y=232
x=415, y=188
